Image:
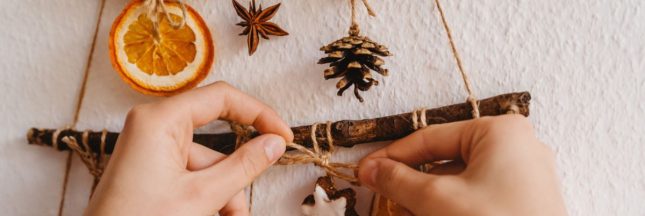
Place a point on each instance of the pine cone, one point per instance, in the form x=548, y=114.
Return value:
x=352, y=57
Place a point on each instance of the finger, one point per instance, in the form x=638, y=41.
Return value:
x=238, y=170
x=451, y=140
x=201, y=157
x=221, y=101
x=402, y=184
x=236, y=206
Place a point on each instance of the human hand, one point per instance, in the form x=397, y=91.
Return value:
x=498, y=167
x=156, y=169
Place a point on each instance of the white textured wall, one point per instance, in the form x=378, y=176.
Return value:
x=582, y=60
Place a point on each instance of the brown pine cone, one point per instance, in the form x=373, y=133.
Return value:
x=351, y=58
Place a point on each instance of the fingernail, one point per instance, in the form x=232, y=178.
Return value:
x=274, y=147
x=371, y=167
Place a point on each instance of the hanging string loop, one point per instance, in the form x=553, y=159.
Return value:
x=354, y=29
x=156, y=7
x=471, y=96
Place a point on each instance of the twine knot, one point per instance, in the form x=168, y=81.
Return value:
x=156, y=7
x=324, y=160
x=318, y=157
x=95, y=163
x=243, y=133
x=474, y=104
x=353, y=29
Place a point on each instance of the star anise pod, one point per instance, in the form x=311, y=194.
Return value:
x=257, y=23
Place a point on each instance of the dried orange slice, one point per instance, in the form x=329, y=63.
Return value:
x=163, y=62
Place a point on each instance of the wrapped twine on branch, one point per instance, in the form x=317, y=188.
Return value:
x=318, y=156
x=96, y=164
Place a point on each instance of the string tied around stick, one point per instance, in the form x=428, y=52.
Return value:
x=95, y=163
x=471, y=96
x=319, y=157
x=243, y=133
x=419, y=119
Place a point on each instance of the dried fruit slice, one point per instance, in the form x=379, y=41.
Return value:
x=162, y=62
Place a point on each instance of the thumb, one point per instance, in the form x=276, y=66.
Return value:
x=238, y=170
x=400, y=183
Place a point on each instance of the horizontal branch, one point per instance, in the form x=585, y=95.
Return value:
x=346, y=133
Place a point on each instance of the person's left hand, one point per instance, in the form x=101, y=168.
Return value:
x=156, y=169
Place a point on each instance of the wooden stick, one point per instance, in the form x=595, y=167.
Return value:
x=346, y=133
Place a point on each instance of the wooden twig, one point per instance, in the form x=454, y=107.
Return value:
x=346, y=133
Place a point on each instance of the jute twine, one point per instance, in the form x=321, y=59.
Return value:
x=419, y=119
x=318, y=156
x=156, y=7
x=354, y=29
x=79, y=104
x=95, y=164
x=471, y=96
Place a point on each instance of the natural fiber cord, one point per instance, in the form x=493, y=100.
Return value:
x=79, y=104
x=155, y=7
x=471, y=96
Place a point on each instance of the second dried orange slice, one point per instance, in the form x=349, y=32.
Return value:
x=160, y=59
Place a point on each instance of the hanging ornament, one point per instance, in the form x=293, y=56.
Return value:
x=161, y=48
x=353, y=57
x=256, y=23
x=327, y=200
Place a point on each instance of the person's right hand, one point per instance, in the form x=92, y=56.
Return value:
x=498, y=167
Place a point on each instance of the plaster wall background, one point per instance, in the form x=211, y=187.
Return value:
x=583, y=62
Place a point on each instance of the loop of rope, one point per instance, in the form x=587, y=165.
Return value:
x=156, y=7
x=471, y=96
x=354, y=29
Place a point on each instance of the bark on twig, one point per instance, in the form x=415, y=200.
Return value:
x=346, y=133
